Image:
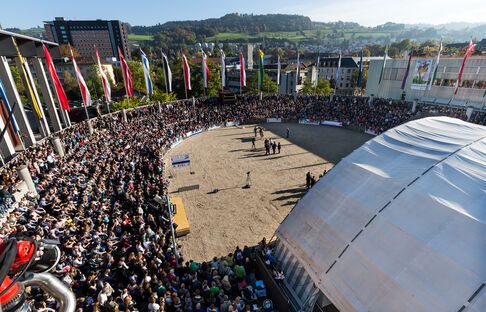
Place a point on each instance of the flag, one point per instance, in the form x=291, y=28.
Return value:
x=260, y=71
x=61, y=95
x=405, y=76
x=384, y=64
x=317, y=69
x=360, y=74
x=484, y=95
x=27, y=80
x=127, y=74
x=242, y=70
x=104, y=79
x=297, y=71
x=279, y=68
x=3, y=97
x=436, y=67
x=338, y=74
x=167, y=72
x=223, y=69
x=469, y=51
x=205, y=70
x=146, y=72
x=187, y=72
x=82, y=84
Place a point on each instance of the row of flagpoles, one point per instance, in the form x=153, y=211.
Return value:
x=127, y=75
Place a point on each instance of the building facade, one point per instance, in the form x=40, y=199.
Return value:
x=328, y=69
x=107, y=36
x=288, y=79
x=470, y=93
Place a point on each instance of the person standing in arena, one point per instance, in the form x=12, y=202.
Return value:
x=274, y=147
x=253, y=143
x=279, y=147
x=308, y=180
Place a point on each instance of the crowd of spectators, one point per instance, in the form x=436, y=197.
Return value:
x=96, y=201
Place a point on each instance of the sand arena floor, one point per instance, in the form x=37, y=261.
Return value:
x=235, y=216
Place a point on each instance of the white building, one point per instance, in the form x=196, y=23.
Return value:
x=470, y=93
x=288, y=81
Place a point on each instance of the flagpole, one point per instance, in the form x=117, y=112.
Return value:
x=317, y=69
x=165, y=72
x=86, y=111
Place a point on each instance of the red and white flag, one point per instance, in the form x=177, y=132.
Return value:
x=61, y=95
x=469, y=51
x=242, y=70
x=187, y=72
x=82, y=84
x=104, y=79
x=205, y=70
x=127, y=74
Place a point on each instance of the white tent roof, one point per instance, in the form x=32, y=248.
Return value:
x=400, y=223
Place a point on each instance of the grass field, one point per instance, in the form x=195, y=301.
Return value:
x=295, y=36
x=134, y=37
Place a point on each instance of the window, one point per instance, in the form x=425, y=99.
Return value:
x=448, y=82
x=480, y=85
x=467, y=83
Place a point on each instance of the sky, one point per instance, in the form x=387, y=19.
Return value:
x=31, y=13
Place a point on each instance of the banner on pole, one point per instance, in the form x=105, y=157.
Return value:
x=421, y=74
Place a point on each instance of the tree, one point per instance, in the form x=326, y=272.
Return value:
x=366, y=52
x=163, y=97
x=138, y=79
x=71, y=86
x=18, y=83
x=65, y=51
x=323, y=87
x=269, y=86
x=393, y=52
x=93, y=80
x=214, y=83
x=308, y=87
x=375, y=49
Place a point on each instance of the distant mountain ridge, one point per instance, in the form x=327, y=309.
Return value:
x=234, y=22
x=255, y=24
x=294, y=28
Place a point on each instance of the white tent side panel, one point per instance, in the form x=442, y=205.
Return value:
x=408, y=209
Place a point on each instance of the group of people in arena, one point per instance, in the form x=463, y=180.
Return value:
x=118, y=254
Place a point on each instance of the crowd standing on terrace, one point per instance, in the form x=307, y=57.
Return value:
x=96, y=201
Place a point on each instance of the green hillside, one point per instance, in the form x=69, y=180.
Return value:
x=134, y=37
